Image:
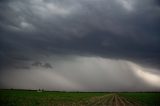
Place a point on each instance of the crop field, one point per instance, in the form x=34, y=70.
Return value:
x=49, y=98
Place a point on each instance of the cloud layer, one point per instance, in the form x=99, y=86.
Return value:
x=34, y=30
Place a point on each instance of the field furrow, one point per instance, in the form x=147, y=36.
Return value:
x=34, y=98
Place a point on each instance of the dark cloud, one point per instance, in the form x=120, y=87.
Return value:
x=47, y=65
x=41, y=64
x=35, y=30
x=22, y=67
x=37, y=64
x=158, y=2
x=4, y=1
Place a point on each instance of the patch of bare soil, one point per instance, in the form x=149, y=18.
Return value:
x=111, y=100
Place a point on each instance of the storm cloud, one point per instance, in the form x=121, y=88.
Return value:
x=84, y=36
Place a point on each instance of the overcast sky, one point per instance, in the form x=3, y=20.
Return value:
x=80, y=45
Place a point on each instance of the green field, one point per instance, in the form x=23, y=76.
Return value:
x=46, y=98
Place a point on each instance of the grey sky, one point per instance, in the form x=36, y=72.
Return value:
x=65, y=35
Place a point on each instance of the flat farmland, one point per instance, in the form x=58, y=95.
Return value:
x=52, y=98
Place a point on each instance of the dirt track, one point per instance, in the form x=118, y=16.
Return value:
x=111, y=100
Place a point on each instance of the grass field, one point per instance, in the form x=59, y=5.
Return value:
x=46, y=98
